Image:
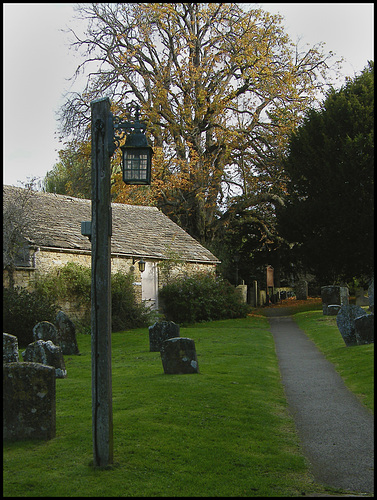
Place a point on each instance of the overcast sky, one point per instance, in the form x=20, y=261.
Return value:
x=38, y=62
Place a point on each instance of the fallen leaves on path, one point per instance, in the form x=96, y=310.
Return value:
x=293, y=302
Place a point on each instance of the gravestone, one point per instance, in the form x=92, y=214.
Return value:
x=254, y=294
x=371, y=295
x=301, y=290
x=364, y=329
x=46, y=353
x=361, y=299
x=161, y=331
x=10, y=348
x=29, y=401
x=333, y=309
x=178, y=356
x=346, y=322
x=242, y=292
x=333, y=295
x=46, y=331
x=66, y=334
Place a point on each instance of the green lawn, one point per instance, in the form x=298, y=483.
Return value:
x=223, y=432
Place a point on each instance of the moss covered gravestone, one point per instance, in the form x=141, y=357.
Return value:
x=345, y=321
x=46, y=353
x=10, y=348
x=66, y=334
x=29, y=401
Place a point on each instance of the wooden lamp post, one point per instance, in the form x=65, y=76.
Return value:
x=136, y=170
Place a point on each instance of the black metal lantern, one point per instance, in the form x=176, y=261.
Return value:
x=137, y=159
x=141, y=265
x=136, y=152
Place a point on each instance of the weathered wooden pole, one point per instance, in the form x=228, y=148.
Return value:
x=102, y=412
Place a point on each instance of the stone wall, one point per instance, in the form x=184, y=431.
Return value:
x=23, y=276
x=46, y=260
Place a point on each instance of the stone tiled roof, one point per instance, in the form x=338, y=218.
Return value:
x=137, y=230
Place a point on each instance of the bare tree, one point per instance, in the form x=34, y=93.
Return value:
x=16, y=222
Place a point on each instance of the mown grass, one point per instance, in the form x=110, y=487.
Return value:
x=223, y=432
x=355, y=364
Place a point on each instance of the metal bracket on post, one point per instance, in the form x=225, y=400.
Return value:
x=86, y=229
x=117, y=128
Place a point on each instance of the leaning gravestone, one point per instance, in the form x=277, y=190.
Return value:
x=161, y=331
x=346, y=322
x=333, y=295
x=29, y=401
x=66, y=334
x=46, y=353
x=371, y=295
x=46, y=331
x=364, y=329
x=178, y=356
x=10, y=349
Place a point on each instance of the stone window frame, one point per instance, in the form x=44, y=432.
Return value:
x=26, y=257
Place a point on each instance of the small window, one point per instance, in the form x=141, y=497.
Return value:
x=24, y=257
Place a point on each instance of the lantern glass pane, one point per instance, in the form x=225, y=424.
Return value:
x=135, y=166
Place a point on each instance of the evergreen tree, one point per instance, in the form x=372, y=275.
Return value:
x=330, y=161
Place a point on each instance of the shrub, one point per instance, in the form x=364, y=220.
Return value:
x=22, y=310
x=126, y=311
x=69, y=283
x=201, y=297
x=72, y=282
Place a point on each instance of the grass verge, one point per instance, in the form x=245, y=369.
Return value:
x=223, y=432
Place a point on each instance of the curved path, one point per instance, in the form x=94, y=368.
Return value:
x=335, y=429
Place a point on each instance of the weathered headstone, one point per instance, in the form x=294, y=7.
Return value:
x=10, y=348
x=345, y=320
x=333, y=309
x=178, y=356
x=161, y=331
x=29, y=401
x=371, y=295
x=333, y=294
x=46, y=331
x=242, y=292
x=66, y=334
x=46, y=353
x=361, y=299
x=364, y=329
x=301, y=290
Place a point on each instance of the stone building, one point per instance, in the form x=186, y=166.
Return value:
x=53, y=238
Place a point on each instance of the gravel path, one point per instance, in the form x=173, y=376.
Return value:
x=336, y=430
